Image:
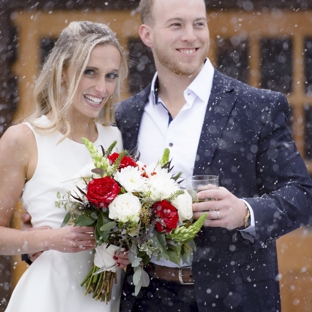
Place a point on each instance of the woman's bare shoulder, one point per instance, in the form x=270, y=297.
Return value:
x=18, y=139
x=17, y=134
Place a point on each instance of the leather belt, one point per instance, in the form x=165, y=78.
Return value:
x=182, y=275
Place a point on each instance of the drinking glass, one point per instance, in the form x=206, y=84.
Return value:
x=197, y=183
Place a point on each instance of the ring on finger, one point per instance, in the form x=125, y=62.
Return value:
x=218, y=214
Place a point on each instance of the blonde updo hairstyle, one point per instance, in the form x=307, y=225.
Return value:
x=73, y=46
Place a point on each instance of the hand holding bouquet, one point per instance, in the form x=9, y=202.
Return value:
x=132, y=207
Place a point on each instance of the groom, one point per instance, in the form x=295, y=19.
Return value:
x=217, y=125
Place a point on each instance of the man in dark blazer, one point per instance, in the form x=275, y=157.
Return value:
x=265, y=190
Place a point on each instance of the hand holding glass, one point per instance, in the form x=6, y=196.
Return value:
x=197, y=183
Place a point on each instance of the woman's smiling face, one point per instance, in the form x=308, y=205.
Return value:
x=98, y=81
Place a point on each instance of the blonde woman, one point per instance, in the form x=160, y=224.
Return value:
x=79, y=82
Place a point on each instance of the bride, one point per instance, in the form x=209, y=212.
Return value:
x=79, y=82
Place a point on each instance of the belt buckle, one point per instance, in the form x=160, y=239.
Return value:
x=181, y=275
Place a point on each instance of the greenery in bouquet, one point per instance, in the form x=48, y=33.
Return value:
x=136, y=207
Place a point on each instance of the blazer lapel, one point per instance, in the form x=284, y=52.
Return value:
x=220, y=104
x=129, y=123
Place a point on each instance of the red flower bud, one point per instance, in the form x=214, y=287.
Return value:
x=125, y=161
x=167, y=216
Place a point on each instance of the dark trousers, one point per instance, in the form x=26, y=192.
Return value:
x=159, y=296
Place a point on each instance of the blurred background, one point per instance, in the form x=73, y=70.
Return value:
x=264, y=43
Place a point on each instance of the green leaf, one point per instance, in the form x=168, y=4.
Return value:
x=110, y=149
x=137, y=279
x=137, y=275
x=98, y=237
x=133, y=253
x=187, y=251
x=101, y=237
x=137, y=288
x=94, y=215
x=145, y=279
x=136, y=262
x=66, y=219
x=165, y=157
x=84, y=220
x=133, y=256
x=108, y=226
x=159, y=241
x=145, y=258
x=174, y=257
x=177, y=176
x=192, y=244
x=100, y=223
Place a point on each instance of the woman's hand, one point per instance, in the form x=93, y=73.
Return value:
x=65, y=239
x=69, y=239
x=122, y=259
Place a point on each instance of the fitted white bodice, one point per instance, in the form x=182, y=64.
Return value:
x=58, y=164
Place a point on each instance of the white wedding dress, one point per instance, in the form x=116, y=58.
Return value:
x=52, y=282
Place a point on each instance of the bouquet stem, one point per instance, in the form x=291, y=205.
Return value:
x=100, y=285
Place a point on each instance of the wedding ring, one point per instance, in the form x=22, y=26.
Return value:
x=218, y=214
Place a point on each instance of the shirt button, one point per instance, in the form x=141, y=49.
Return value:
x=170, y=144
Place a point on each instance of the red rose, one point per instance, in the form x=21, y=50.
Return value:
x=125, y=161
x=167, y=214
x=101, y=192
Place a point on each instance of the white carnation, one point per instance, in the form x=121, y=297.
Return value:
x=130, y=178
x=183, y=203
x=124, y=208
x=153, y=169
x=141, y=166
x=159, y=188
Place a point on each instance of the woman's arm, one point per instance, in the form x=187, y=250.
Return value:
x=18, y=159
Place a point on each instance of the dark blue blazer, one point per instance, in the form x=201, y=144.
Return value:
x=244, y=140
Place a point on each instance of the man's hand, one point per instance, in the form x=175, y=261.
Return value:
x=27, y=226
x=222, y=207
x=26, y=219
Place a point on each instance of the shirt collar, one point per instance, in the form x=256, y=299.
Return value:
x=200, y=86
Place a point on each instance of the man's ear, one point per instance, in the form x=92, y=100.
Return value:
x=145, y=33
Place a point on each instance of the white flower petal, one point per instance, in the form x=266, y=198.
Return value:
x=130, y=178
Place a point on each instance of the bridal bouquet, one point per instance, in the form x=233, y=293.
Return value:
x=135, y=208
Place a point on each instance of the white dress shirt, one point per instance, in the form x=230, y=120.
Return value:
x=181, y=134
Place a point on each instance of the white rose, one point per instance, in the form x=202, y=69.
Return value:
x=130, y=178
x=183, y=203
x=124, y=208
